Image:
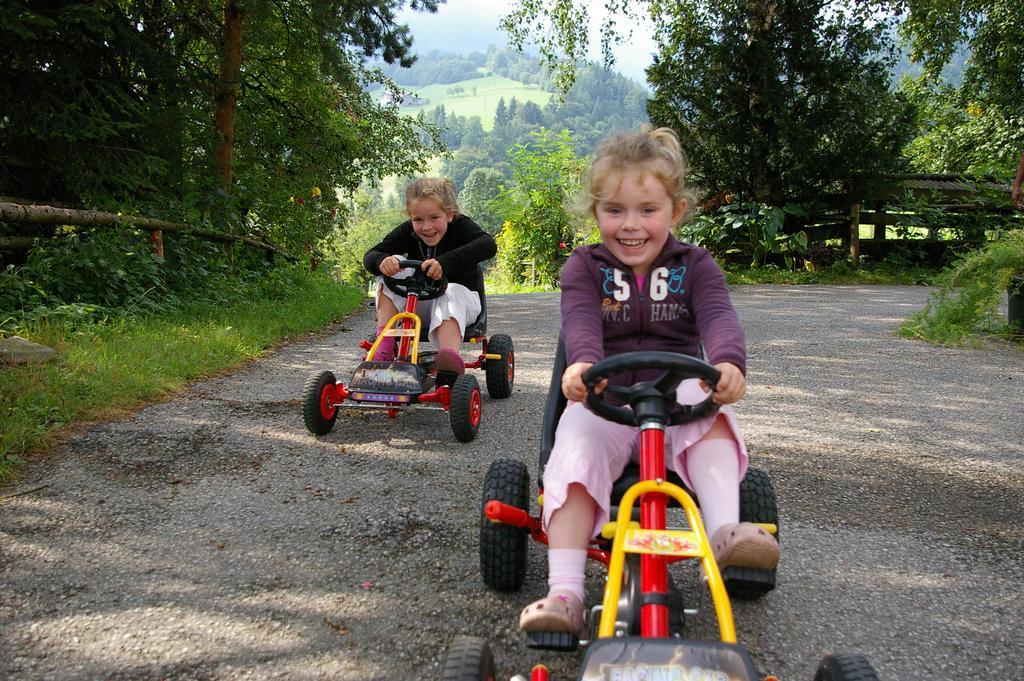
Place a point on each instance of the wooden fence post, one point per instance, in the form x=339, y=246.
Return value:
x=855, y=234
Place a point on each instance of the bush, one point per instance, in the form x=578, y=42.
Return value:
x=753, y=229
x=967, y=303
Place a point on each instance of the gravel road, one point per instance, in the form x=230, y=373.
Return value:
x=212, y=537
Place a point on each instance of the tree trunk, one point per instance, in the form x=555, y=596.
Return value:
x=759, y=77
x=226, y=98
x=51, y=215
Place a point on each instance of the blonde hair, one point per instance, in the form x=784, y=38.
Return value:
x=440, y=189
x=651, y=150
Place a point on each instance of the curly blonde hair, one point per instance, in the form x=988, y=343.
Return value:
x=440, y=189
x=652, y=150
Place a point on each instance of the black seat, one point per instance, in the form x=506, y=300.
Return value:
x=553, y=408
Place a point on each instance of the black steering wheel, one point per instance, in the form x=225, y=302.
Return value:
x=653, y=400
x=418, y=283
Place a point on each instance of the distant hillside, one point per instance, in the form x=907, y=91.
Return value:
x=476, y=97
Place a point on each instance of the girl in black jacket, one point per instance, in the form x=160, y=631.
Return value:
x=450, y=245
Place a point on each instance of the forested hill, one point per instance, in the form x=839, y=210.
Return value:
x=485, y=103
x=439, y=67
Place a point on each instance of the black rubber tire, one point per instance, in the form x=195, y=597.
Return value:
x=757, y=498
x=501, y=373
x=757, y=505
x=312, y=414
x=469, y=659
x=503, y=547
x=845, y=667
x=465, y=409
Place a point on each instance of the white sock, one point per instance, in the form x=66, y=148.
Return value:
x=713, y=467
x=566, y=571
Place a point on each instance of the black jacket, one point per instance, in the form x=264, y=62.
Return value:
x=463, y=247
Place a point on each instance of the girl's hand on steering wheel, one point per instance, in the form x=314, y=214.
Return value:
x=433, y=269
x=573, y=386
x=731, y=386
x=389, y=266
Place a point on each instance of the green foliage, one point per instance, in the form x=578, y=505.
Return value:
x=366, y=222
x=110, y=104
x=959, y=134
x=754, y=228
x=105, y=367
x=559, y=28
x=85, y=277
x=478, y=198
x=992, y=30
x=967, y=302
x=434, y=67
x=776, y=101
x=977, y=126
x=537, y=227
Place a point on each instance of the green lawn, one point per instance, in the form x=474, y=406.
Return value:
x=480, y=98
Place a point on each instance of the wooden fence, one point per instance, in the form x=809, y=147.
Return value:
x=954, y=212
x=38, y=218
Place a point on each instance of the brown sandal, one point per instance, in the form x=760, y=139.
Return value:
x=557, y=612
x=745, y=545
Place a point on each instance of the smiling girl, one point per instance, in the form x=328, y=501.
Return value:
x=450, y=245
x=641, y=289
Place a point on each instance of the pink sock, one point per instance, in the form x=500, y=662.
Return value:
x=566, y=571
x=713, y=467
x=386, y=349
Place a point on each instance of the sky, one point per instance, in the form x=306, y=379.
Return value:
x=463, y=26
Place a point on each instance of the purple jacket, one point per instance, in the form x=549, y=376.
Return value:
x=684, y=302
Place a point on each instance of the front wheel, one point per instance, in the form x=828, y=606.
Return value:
x=318, y=410
x=465, y=408
x=845, y=667
x=469, y=659
x=501, y=373
x=503, y=547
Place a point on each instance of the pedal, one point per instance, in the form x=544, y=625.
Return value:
x=552, y=640
x=748, y=584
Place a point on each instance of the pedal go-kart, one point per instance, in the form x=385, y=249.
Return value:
x=637, y=630
x=411, y=380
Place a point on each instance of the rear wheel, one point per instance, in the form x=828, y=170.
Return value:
x=845, y=667
x=318, y=410
x=503, y=547
x=465, y=408
x=757, y=505
x=757, y=499
x=501, y=373
x=469, y=659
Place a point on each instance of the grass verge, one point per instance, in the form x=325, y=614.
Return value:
x=105, y=369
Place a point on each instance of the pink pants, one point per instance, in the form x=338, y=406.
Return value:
x=593, y=452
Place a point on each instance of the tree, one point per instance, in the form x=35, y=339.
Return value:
x=775, y=99
x=975, y=126
x=500, y=115
x=477, y=198
x=537, y=228
x=110, y=102
x=599, y=102
x=562, y=26
x=462, y=162
x=473, y=134
x=770, y=97
x=531, y=114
